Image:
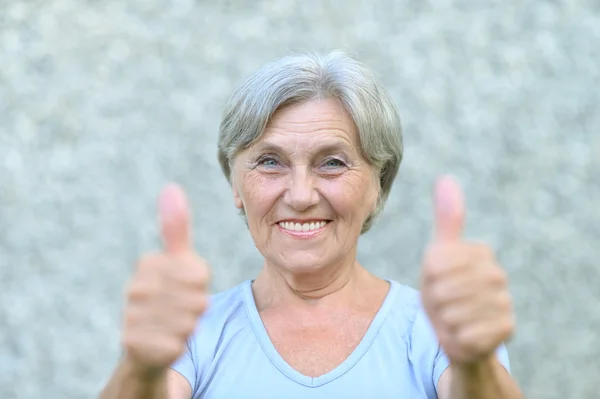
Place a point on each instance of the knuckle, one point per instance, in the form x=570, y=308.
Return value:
x=195, y=272
x=182, y=327
x=149, y=261
x=151, y=270
x=198, y=303
x=129, y=340
x=135, y=291
x=200, y=272
x=508, y=327
x=140, y=290
x=505, y=302
x=502, y=276
x=131, y=318
x=431, y=271
x=438, y=294
x=467, y=340
x=175, y=346
x=485, y=251
x=450, y=319
x=206, y=272
x=434, y=297
x=431, y=264
x=498, y=277
x=453, y=324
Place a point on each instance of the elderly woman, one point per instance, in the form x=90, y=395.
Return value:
x=311, y=146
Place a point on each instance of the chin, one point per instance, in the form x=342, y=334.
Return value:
x=303, y=268
x=302, y=263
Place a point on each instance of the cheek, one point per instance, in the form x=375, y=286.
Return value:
x=259, y=194
x=352, y=193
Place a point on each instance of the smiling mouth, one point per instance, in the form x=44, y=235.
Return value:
x=294, y=227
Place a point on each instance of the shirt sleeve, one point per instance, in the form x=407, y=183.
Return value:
x=430, y=358
x=186, y=365
x=441, y=362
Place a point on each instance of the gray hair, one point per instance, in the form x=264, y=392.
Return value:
x=303, y=77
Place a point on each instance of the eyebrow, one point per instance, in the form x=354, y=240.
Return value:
x=337, y=146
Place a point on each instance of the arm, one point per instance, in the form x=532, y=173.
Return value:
x=484, y=379
x=165, y=299
x=125, y=383
x=465, y=294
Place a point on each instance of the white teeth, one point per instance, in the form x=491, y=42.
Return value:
x=302, y=227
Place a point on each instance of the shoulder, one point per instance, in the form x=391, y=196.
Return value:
x=224, y=308
x=225, y=317
x=405, y=306
x=226, y=314
x=405, y=296
x=227, y=300
x=409, y=322
x=408, y=318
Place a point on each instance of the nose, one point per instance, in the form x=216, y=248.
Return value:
x=301, y=194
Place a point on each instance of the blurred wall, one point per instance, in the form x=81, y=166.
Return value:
x=103, y=102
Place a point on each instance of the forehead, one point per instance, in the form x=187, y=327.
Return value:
x=312, y=122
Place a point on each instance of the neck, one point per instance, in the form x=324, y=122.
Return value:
x=327, y=286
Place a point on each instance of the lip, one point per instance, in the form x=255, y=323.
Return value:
x=303, y=235
x=302, y=221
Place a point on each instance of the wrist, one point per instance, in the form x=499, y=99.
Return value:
x=473, y=368
x=143, y=373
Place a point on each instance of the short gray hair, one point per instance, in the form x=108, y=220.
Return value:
x=306, y=76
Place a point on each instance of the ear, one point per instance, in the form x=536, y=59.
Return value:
x=237, y=198
x=377, y=193
x=375, y=203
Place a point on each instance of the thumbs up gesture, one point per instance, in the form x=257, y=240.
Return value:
x=464, y=290
x=167, y=293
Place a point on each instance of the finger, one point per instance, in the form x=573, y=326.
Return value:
x=453, y=289
x=484, y=338
x=442, y=261
x=175, y=220
x=449, y=210
x=483, y=308
x=193, y=272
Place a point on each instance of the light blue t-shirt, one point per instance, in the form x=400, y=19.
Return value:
x=231, y=356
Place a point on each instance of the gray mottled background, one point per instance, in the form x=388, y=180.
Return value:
x=102, y=102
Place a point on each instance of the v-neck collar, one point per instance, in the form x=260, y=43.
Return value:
x=269, y=349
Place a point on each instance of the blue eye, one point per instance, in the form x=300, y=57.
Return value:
x=333, y=163
x=268, y=162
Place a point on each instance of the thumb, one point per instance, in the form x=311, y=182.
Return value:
x=175, y=220
x=449, y=210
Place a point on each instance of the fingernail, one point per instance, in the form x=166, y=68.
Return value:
x=443, y=195
x=168, y=202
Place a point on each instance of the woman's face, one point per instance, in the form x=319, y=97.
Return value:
x=305, y=187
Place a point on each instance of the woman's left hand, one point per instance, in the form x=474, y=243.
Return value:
x=464, y=290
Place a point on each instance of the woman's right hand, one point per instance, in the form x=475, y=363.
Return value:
x=167, y=294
